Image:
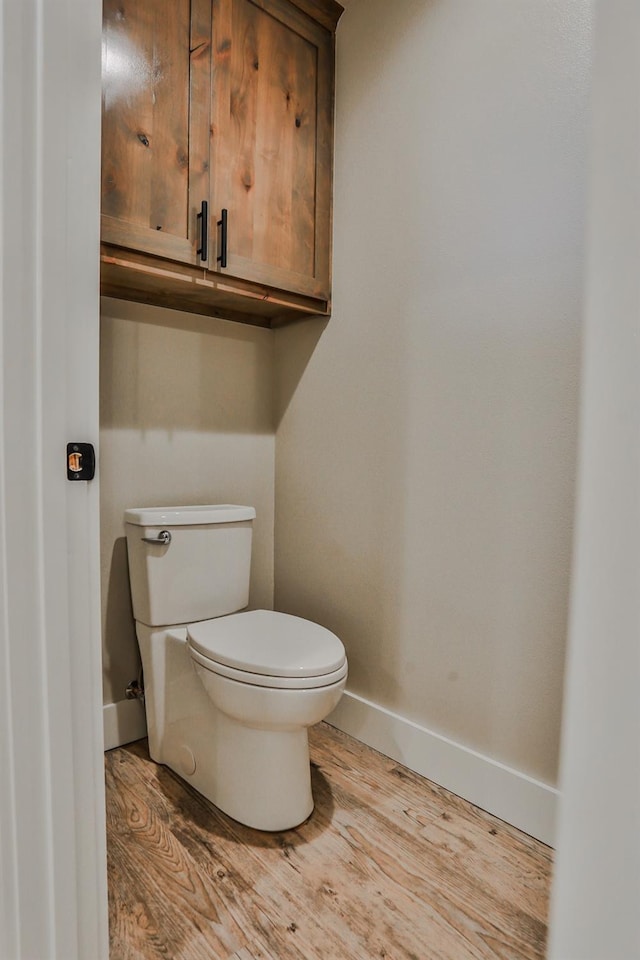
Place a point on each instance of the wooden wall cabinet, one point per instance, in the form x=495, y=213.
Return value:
x=228, y=102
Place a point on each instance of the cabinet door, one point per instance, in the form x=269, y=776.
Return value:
x=272, y=110
x=155, y=127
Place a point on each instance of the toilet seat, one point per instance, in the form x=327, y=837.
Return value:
x=271, y=649
x=262, y=680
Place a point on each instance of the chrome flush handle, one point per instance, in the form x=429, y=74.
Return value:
x=163, y=539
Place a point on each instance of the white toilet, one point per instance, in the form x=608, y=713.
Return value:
x=228, y=695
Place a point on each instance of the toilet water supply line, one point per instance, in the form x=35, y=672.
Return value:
x=135, y=690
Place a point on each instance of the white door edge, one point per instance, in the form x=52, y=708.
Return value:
x=52, y=821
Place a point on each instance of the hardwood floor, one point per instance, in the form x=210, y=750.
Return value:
x=388, y=866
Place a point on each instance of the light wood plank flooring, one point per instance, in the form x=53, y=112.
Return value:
x=388, y=866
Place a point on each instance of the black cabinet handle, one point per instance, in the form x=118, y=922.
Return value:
x=204, y=231
x=222, y=223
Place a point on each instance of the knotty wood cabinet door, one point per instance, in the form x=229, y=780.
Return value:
x=155, y=126
x=271, y=145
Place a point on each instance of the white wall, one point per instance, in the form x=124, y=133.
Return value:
x=426, y=440
x=186, y=411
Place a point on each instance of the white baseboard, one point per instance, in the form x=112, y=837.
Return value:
x=124, y=722
x=506, y=793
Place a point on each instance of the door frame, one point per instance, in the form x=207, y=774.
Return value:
x=52, y=815
x=594, y=906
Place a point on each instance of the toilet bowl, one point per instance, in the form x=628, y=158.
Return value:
x=229, y=697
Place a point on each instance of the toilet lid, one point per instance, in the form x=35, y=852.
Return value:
x=268, y=643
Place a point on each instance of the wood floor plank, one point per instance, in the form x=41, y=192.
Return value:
x=458, y=835
x=175, y=903
x=457, y=858
x=389, y=866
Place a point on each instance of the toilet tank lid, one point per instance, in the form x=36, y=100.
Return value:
x=183, y=516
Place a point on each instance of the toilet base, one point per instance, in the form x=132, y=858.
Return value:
x=262, y=778
x=255, y=768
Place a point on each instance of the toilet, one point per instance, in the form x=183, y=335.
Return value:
x=229, y=692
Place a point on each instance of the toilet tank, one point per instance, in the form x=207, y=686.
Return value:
x=203, y=572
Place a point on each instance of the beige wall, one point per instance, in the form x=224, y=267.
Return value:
x=186, y=417
x=426, y=442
